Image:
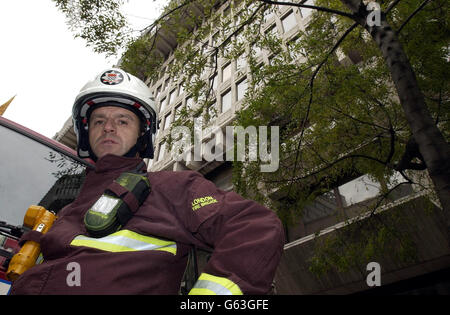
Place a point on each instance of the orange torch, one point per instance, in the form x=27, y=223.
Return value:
x=40, y=220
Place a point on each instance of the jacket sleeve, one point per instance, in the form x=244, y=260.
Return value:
x=247, y=240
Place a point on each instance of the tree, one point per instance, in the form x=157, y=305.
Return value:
x=432, y=145
x=385, y=111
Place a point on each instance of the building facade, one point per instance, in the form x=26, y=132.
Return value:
x=228, y=80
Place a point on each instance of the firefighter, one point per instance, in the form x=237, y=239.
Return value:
x=130, y=231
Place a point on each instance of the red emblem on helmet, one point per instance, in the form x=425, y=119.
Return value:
x=111, y=77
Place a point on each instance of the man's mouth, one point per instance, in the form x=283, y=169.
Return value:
x=108, y=141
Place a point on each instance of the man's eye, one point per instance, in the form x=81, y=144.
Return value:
x=123, y=122
x=98, y=122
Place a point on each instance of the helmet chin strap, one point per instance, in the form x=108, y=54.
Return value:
x=92, y=154
x=133, y=152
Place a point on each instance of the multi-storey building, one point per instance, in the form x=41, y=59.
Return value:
x=228, y=80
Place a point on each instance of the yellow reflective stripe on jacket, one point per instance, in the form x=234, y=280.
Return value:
x=212, y=285
x=124, y=241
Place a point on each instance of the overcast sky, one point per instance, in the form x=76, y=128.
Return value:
x=44, y=66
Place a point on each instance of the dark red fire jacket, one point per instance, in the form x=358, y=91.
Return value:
x=149, y=254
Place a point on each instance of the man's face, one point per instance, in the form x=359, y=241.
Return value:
x=113, y=130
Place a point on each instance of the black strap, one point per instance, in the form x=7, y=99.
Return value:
x=191, y=272
x=127, y=196
x=141, y=168
x=30, y=236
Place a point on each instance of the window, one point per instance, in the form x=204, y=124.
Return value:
x=364, y=188
x=226, y=50
x=241, y=63
x=226, y=72
x=238, y=18
x=204, y=49
x=288, y=22
x=214, y=39
x=159, y=127
x=294, y=49
x=226, y=12
x=255, y=50
x=268, y=14
x=204, y=72
x=189, y=103
x=162, y=105
x=213, y=82
x=181, y=89
x=226, y=21
x=162, y=73
x=158, y=90
x=198, y=125
x=167, y=120
x=171, y=97
x=212, y=111
x=358, y=190
x=213, y=60
x=226, y=101
x=271, y=60
x=240, y=38
x=177, y=112
x=161, y=152
x=166, y=83
x=241, y=88
x=55, y=180
x=307, y=12
x=272, y=31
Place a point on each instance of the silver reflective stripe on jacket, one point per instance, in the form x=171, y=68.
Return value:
x=124, y=241
x=208, y=284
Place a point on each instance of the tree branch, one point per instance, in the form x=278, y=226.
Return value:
x=411, y=152
x=228, y=38
x=311, y=84
x=351, y=156
x=412, y=15
x=392, y=5
x=162, y=17
x=307, y=6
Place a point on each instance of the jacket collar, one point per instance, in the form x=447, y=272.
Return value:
x=115, y=163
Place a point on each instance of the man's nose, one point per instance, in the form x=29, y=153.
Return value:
x=109, y=126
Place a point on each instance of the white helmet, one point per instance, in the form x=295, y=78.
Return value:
x=115, y=87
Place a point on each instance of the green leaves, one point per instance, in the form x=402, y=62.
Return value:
x=382, y=237
x=100, y=23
